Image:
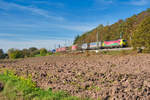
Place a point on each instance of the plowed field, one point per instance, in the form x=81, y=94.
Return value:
x=98, y=76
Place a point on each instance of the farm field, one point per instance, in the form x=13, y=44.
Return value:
x=104, y=77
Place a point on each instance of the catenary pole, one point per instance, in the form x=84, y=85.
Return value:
x=97, y=36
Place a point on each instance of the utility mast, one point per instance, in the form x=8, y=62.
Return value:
x=121, y=35
x=121, y=32
x=97, y=37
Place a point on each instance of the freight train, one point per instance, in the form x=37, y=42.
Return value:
x=120, y=43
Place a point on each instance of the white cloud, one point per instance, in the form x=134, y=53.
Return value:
x=105, y=1
x=47, y=26
x=8, y=34
x=81, y=28
x=108, y=1
x=139, y=2
x=56, y=4
x=34, y=10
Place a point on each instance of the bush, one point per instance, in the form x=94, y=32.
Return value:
x=146, y=50
x=49, y=53
x=26, y=53
x=43, y=52
x=14, y=53
x=32, y=49
x=6, y=56
x=2, y=55
x=34, y=53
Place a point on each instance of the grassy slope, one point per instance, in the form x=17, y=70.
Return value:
x=19, y=88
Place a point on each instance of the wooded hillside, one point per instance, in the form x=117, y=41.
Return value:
x=126, y=28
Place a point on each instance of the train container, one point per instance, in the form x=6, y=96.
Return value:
x=58, y=50
x=95, y=45
x=84, y=46
x=114, y=43
x=54, y=50
x=62, y=49
x=74, y=48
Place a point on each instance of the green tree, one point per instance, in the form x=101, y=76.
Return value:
x=15, y=53
x=76, y=39
x=36, y=52
x=2, y=55
x=43, y=52
x=111, y=32
x=32, y=49
x=26, y=53
x=141, y=36
x=148, y=9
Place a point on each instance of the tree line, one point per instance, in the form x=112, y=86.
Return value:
x=24, y=53
x=136, y=30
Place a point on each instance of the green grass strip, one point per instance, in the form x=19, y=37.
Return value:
x=19, y=88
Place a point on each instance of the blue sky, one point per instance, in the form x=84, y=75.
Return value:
x=46, y=23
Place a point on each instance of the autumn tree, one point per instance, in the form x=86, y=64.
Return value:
x=111, y=32
x=2, y=55
x=15, y=53
x=43, y=52
x=141, y=36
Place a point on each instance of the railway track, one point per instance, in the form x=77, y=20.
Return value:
x=114, y=49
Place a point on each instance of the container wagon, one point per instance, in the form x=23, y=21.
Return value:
x=95, y=45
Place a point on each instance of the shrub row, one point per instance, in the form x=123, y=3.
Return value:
x=31, y=52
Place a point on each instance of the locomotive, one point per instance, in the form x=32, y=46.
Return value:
x=119, y=43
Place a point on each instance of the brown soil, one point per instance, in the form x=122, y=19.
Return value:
x=98, y=76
